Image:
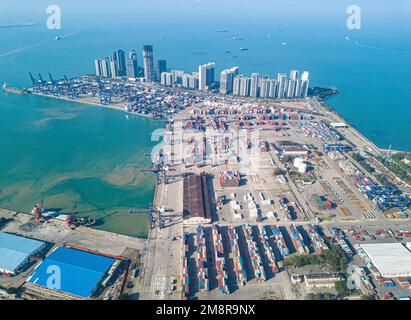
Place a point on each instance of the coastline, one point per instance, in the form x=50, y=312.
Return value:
x=92, y=103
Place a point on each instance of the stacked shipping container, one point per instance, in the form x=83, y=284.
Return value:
x=221, y=265
x=298, y=240
x=279, y=240
x=256, y=261
x=239, y=268
x=267, y=248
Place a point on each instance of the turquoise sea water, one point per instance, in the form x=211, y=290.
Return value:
x=73, y=154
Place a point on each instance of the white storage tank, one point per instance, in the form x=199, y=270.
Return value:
x=302, y=168
x=297, y=162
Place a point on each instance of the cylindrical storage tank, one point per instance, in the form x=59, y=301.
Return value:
x=302, y=168
x=297, y=162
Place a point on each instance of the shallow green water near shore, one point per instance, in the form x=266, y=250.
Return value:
x=77, y=158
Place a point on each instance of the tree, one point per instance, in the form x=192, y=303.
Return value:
x=342, y=289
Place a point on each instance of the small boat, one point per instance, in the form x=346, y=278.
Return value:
x=57, y=38
x=227, y=51
x=244, y=49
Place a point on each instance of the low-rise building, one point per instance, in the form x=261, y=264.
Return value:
x=322, y=280
x=196, y=202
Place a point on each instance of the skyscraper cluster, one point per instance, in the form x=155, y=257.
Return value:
x=114, y=66
x=257, y=86
x=231, y=82
x=117, y=65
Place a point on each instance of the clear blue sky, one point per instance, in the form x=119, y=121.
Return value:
x=101, y=10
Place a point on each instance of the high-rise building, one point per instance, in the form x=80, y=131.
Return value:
x=194, y=81
x=254, y=88
x=245, y=85
x=121, y=63
x=265, y=88
x=177, y=76
x=237, y=85
x=99, y=67
x=282, y=85
x=305, y=81
x=167, y=79
x=105, y=68
x=227, y=80
x=185, y=81
x=292, y=82
x=131, y=66
x=298, y=88
x=148, y=59
x=273, y=89
x=206, y=75
x=113, y=64
x=161, y=67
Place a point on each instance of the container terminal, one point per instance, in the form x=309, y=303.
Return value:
x=248, y=190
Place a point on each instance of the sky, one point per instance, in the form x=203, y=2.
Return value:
x=170, y=11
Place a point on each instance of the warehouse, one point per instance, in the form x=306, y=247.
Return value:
x=16, y=251
x=77, y=272
x=391, y=259
x=196, y=202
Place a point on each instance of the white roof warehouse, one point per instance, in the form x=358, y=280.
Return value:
x=15, y=252
x=391, y=259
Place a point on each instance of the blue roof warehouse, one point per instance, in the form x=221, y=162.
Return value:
x=80, y=272
x=15, y=252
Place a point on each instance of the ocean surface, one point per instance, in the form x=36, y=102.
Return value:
x=81, y=157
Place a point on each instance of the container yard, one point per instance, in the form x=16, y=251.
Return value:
x=268, y=251
x=341, y=239
x=298, y=240
x=316, y=239
x=230, y=179
x=220, y=261
x=235, y=255
x=319, y=131
x=201, y=260
x=256, y=260
x=279, y=241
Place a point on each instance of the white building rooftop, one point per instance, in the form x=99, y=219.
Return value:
x=391, y=259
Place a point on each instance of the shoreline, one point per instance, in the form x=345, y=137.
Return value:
x=319, y=100
x=94, y=104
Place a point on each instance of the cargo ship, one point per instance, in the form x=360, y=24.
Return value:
x=6, y=88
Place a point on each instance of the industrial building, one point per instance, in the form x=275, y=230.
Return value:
x=16, y=251
x=77, y=273
x=322, y=280
x=391, y=259
x=197, y=209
